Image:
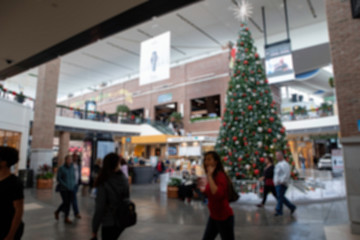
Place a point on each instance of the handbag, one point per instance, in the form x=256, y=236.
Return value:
x=233, y=196
x=124, y=213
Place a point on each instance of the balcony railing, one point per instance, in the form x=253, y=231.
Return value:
x=309, y=114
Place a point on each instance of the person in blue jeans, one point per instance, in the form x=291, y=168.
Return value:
x=281, y=181
x=66, y=180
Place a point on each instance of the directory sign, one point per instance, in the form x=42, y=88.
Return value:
x=337, y=160
x=155, y=59
x=279, y=62
x=90, y=108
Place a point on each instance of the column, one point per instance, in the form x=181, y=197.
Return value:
x=345, y=51
x=64, y=141
x=44, y=115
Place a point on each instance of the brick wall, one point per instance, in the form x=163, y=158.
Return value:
x=206, y=77
x=345, y=51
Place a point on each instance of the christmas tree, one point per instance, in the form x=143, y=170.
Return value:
x=251, y=128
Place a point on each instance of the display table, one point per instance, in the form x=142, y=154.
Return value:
x=143, y=175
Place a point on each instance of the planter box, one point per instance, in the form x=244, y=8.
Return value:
x=172, y=192
x=44, y=184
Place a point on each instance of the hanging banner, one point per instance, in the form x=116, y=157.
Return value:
x=155, y=59
x=279, y=62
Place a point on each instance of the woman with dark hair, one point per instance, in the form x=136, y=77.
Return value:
x=268, y=176
x=112, y=188
x=221, y=218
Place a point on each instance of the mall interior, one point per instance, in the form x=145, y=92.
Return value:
x=148, y=79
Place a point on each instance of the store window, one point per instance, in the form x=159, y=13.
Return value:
x=10, y=139
x=163, y=112
x=137, y=115
x=205, y=108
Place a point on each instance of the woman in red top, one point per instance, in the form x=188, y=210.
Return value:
x=221, y=218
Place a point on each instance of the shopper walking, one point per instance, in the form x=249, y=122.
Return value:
x=112, y=188
x=66, y=181
x=221, y=218
x=281, y=181
x=268, y=180
x=159, y=169
x=77, y=171
x=11, y=197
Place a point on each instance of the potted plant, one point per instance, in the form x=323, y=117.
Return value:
x=44, y=177
x=326, y=109
x=122, y=110
x=173, y=188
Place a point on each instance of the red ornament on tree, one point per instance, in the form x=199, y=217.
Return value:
x=245, y=144
x=230, y=163
x=224, y=124
x=239, y=159
x=246, y=50
x=246, y=29
x=256, y=55
x=236, y=118
x=282, y=130
x=262, y=159
x=237, y=174
x=269, y=130
x=232, y=113
x=14, y=93
x=254, y=165
x=244, y=95
x=225, y=158
x=271, y=119
x=256, y=171
x=259, y=122
x=266, y=148
x=266, y=91
x=258, y=102
x=246, y=62
x=250, y=107
x=230, y=154
x=256, y=153
x=242, y=44
x=274, y=140
x=234, y=138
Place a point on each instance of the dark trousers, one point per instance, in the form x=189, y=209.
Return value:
x=111, y=233
x=268, y=189
x=281, y=199
x=67, y=198
x=74, y=202
x=225, y=228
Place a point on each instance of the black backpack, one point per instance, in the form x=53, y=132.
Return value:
x=124, y=213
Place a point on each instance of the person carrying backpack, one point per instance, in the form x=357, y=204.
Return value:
x=112, y=189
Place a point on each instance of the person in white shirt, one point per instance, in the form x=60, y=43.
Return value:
x=281, y=181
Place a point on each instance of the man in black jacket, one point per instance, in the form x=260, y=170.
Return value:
x=12, y=197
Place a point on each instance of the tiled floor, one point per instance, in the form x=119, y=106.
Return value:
x=162, y=218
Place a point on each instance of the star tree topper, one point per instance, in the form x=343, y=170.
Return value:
x=242, y=10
